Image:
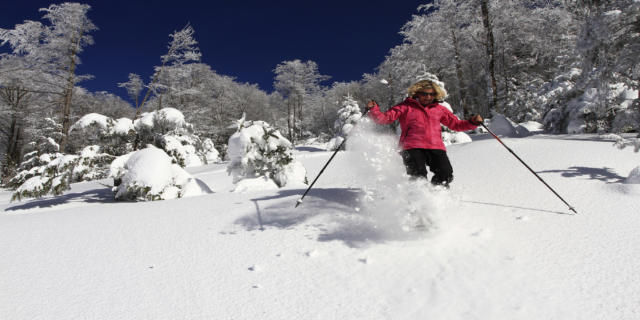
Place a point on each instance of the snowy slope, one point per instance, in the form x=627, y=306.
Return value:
x=502, y=247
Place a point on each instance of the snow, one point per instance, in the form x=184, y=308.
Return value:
x=171, y=115
x=186, y=151
x=498, y=244
x=90, y=151
x=502, y=126
x=89, y=119
x=152, y=170
x=34, y=183
x=455, y=137
x=122, y=126
x=148, y=167
x=528, y=128
x=145, y=121
x=211, y=155
x=634, y=176
x=255, y=184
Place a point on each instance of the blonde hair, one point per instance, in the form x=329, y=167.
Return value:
x=441, y=94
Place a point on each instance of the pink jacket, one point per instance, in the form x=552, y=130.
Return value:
x=420, y=125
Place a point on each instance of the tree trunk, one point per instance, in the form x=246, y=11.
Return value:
x=68, y=95
x=13, y=97
x=490, y=51
x=159, y=102
x=290, y=119
x=461, y=88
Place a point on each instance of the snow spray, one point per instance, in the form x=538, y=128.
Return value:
x=394, y=203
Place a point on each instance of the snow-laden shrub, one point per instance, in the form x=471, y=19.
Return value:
x=57, y=171
x=47, y=171
x=348, y=116
x=162, y=121
x=168, y=130
x=182, y=148
x=258, y=151
x=150, y=174
x=115, y=137
x=211, y=155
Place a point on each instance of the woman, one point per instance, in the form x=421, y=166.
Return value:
x=420, y=116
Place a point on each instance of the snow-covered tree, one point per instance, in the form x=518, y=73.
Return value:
x=260, y=155
x=53, y=52
x=134, y=86
x=296, y=81
x=182, y=49
x=348, y=116
x=606, y=86
x=38, y=152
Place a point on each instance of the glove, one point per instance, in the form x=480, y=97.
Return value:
x=476, y=119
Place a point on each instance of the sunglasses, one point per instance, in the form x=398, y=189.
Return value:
x=424, y=94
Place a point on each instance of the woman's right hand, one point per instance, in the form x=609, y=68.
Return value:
x=371, y=104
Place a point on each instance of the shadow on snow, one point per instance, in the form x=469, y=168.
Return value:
x=343, y=223
x=603, y=174
x=90, y=196
x=310, y=149
x=517, y=207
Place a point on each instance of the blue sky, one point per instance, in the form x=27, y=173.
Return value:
x=243, y=39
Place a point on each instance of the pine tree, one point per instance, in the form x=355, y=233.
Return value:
x=348, y=116
x=258, y=150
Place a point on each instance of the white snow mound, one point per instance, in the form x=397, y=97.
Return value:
x=502, y=126
x=528, y=128
x=149, y=174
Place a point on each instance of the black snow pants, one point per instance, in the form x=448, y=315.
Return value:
x=417, y=160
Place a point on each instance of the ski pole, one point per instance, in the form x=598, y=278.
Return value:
x=535, y=174
x=299, y=202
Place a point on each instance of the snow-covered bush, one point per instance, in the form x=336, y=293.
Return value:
x=56, y=172
x=348, y=116
x=182, y=148
x=167, y=129
x=115, y=137
x=150, y=174
x=259, y=152
x=211, y=155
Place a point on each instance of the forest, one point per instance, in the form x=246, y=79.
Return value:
x=572, y=65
